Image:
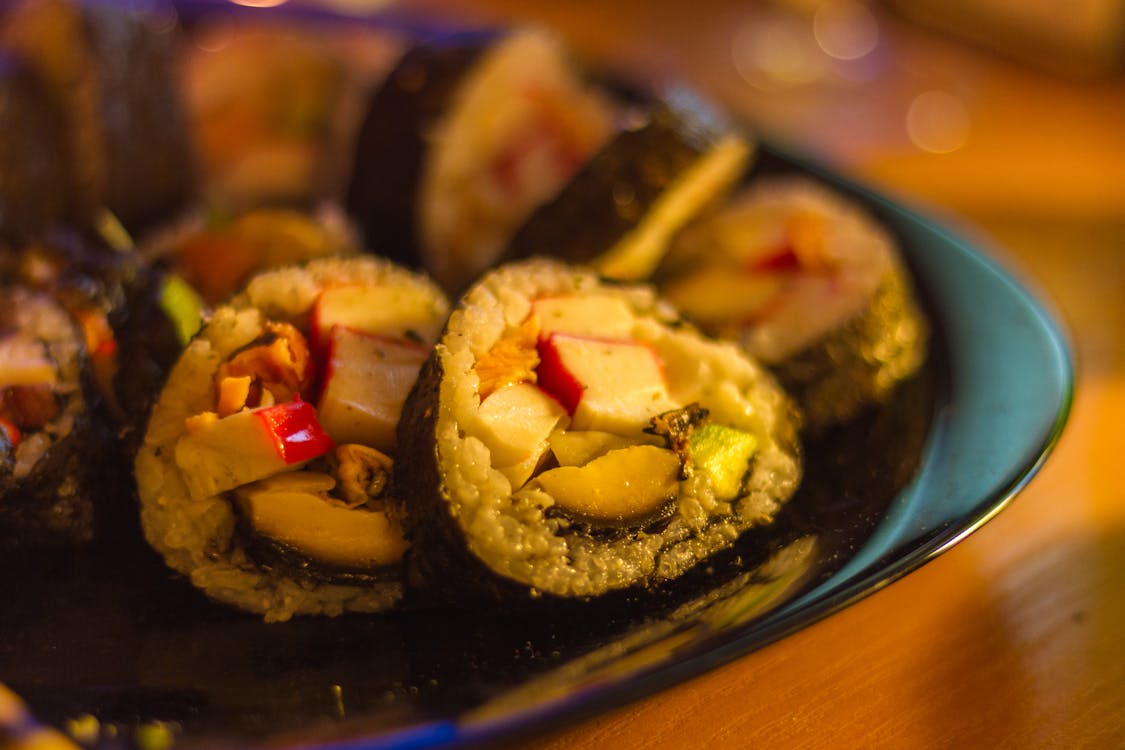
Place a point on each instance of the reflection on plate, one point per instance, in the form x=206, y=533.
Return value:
x=102, y=635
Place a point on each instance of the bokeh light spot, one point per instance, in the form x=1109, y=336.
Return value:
x=772, y=52
x=938, y=122
x=260, y=3
x=845, y=30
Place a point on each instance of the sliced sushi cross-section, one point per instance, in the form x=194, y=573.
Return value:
x=47, y=428
x=810, y=284
x=599, y=462
x=467, y=136
x=265, y=474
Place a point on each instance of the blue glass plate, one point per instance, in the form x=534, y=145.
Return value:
x=1005, y=393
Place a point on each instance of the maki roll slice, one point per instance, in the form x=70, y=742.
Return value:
x=88, y=333
x=217, y=254
x=465, y=138
x=570, y=438
x=50, y=433
x=811, y=285
x=274, y=101
x=134, y=317
x=265, y=471
x=110, y=71
x=39, y=188
x=149, y=165
x=668, y=163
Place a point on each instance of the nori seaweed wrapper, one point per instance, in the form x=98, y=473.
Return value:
x=149, y=168
x=391, y=144
x=39, y=187
x=108, y=72
x=605, y=205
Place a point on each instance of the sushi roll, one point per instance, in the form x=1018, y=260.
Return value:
x=89, y=335
x=274, y=101
x=39, y=188
x=50, y=433
x=264, y=475
x=811, y=285
x=464, y=139
x=217, y=254
x=110, y=72
x=570, y=438
x=670, y=162
x=134, y=318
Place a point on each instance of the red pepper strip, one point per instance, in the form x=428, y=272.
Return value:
x=11, y=432
x=102, y=349
x=554, y=378
x=296, y=432
x=783, y=259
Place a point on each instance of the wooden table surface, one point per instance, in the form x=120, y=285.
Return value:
x=1016, y=637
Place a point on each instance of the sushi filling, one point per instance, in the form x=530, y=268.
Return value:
x=330, y=519
x=40, y=393
x=777, y=269
x=297, y=437
x=522, y=126
x=812, y=286
x=578, y=410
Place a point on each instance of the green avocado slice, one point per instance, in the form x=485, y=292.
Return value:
x=183, y=306
x=724, y=454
